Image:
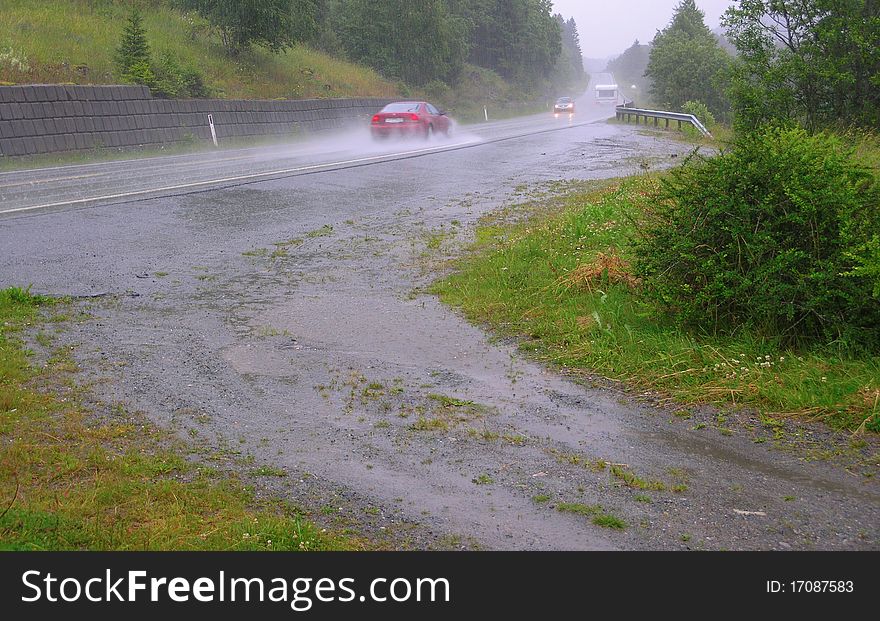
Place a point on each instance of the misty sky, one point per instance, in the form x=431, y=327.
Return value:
x=607, y=27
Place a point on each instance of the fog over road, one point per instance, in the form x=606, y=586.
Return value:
x=124, y=181
x=266, y=304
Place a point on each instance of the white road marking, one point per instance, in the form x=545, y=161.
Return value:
x=37, y=181
x=196, y=184
x=388, y=157
x=214, y=157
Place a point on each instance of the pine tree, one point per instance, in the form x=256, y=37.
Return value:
x=133, y=53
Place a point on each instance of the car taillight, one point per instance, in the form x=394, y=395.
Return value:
x=413, y=117
x=376, y=118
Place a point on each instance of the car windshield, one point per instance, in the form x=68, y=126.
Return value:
x=404, y=106
x=563, y=100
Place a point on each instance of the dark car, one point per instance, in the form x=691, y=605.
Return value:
x=564, y=105
x=410, y=118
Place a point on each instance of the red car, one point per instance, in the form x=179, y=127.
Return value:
x=410, y=118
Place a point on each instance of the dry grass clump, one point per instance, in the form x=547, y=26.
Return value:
x=606, y=268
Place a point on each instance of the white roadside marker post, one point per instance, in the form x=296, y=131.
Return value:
x=213, y=132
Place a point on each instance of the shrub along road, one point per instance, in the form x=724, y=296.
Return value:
x=282, y=328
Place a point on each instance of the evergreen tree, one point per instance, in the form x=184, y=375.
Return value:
x=687, y=64
x=569, y=71
x=133, y=53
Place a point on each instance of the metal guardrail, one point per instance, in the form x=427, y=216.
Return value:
x=626, y=110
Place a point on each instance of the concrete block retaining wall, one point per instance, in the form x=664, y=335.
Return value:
x=39, y=119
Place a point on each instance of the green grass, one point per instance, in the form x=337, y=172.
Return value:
x=598, y=515
x=721, y=134
x=71, y=480
x=609, y=521
x=631, y=480
x=73, y=41
x=450, y=402
x=324, y=231
x=429, y=424
x=561, y=283
x=435, y=239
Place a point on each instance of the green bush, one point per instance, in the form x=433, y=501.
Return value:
x=140, y=73
x=173, y=81
x=699, y=110
x=166, y=78
x=776, y=234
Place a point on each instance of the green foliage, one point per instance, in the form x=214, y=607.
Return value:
x=763, y=236
x=75, y=41
x=166, y=78
x=687, y=64
x=242, y=23
x=414, y=42
x=544, y=280
x=519, y=39
x=813, y=61
x=867, y=262
x=141, y=73
x=699, y=110
x=569, y=70
x=133, y=54
x=494, y=52
x=18, y=296
x=174, y=81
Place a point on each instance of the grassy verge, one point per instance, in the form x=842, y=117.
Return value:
x=561, y=283
x=71, y=478
x=721, y=134
x=53, y=41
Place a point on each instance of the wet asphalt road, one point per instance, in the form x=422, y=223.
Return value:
x=265, y=304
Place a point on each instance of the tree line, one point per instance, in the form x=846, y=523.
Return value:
x=415, y=42
x=816, y=62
